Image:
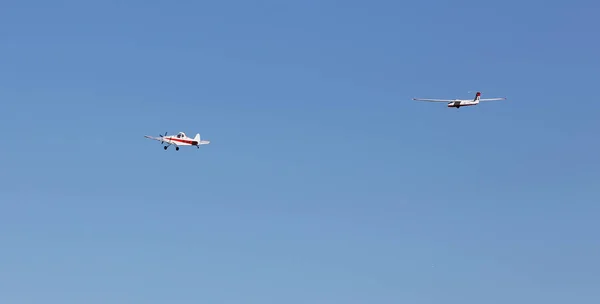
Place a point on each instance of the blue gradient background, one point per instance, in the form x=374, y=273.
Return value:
x=324, y=181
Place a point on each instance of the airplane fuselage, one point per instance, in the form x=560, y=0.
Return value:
x=180, y=141
x=462, y=103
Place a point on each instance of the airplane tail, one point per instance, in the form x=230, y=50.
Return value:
x=477, y=96
x=201, y=142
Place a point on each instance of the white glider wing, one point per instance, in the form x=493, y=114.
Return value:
x=491, y=99
x=434, y=100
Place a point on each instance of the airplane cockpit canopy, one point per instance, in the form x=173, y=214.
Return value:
x=181, y=135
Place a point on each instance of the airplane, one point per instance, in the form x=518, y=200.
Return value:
x=457, y=103
x=179, y=140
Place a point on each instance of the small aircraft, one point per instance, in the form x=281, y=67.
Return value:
x=457, y=103
x=179, y=140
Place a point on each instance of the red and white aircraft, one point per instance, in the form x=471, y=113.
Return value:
x=457, y=103
x=180, y=140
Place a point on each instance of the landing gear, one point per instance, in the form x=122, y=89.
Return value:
x=166, y=147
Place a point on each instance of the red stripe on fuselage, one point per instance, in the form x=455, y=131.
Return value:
x=191, y=142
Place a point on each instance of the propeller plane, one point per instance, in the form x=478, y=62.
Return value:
x=179, y=140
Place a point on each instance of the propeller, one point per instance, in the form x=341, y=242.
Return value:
x=161, y=136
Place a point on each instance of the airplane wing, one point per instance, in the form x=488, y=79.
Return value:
x=155, y=138
x=434, y=100
x=491, y=99
x=163, y=140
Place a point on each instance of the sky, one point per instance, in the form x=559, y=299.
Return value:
x=324, y=181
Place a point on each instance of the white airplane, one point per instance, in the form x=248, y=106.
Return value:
x=457, y=103
x=180, y=140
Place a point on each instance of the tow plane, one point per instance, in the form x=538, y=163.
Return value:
x=179, y=140
x=457, y=103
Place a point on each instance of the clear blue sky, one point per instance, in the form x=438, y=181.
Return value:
x=324, y=181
